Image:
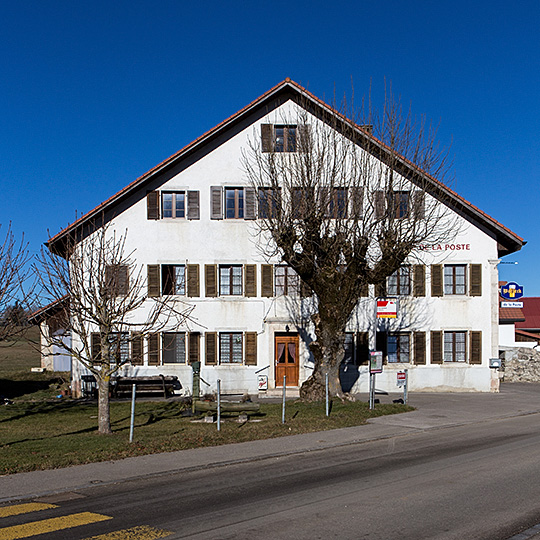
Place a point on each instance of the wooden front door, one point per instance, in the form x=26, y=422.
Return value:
x=286, y=353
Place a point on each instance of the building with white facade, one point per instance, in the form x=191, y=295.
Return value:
x=192, y=222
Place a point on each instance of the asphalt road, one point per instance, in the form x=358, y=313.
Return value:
x=475, y=481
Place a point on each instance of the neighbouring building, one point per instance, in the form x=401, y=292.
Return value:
x=190, y=221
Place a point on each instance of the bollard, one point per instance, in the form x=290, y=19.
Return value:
x=283, y=406
x=219, y=404
x=132, y=422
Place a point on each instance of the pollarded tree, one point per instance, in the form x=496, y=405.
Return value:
x=345, y=205
x=104, y=307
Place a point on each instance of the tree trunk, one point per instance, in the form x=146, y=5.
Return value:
x=104, y=412
x=328, y=353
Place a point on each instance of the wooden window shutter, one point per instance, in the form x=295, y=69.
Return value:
x=419, y=205
x=303, y=143
x=381, y=344
x=250, y=280
x=436, y=347
x=95, y=346
x=357, y=201
x=117, y=279
x=194, y=340
x=419, y=348
x=193, y=206
x=136, y=349
x=379, y=204
x=267, y=133
x=362, y=348
x=210, y=339
x=250, y=209
x=267, y=280
x=153, y=350
x=419, y=280
x=210, y=280
x=251, y=348
x=216, y=203
x=153, y=280
x=324, y=202
x=436, y=280
x=476, y=348
x=193, y=289
x=152, y=205
x=122, y=279
x=475, y=279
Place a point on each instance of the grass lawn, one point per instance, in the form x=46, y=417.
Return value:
x=45, y=435
x=38, y=430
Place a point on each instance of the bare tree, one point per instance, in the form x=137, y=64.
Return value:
x=106, y=310
x=345, y=206
x=14, y=257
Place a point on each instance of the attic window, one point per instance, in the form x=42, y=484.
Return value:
x=279, y=138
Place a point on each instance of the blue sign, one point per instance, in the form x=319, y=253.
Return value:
x=511, y=291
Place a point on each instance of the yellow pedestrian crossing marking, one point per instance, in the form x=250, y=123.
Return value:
x=18, y=509
x=50, y=525
x=135, y=533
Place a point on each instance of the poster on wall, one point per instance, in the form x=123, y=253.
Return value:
x=386, y=308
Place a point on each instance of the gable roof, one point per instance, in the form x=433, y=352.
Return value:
x=508, y=241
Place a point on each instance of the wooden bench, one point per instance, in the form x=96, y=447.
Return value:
x=239, y=407
x=159, y=384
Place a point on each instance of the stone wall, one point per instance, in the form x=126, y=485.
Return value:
x=521, y=365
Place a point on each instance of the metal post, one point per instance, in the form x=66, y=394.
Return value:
x=372, y=390
x=284, y=394
x=327, y=408
x=219, y=404
x=405, y=387
x=133, y=391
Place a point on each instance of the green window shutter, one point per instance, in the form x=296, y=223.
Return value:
x=419, y=348
x=419, y=280
x=210, y=339
x=267, y=280
x=194, y=340
x=251, y=348
x=476, y=348
x=193, y=288
x=436, y=280
x=152, y=205
x=153, y=280
x=153, y=350
x=210, y=280
x=475, y=271
x=436, y=347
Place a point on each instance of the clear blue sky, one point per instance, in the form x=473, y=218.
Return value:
x=93, y=95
